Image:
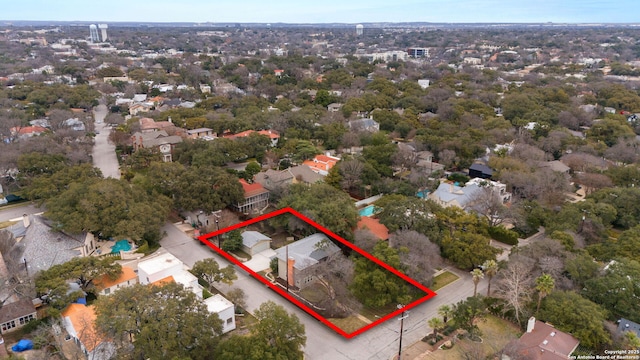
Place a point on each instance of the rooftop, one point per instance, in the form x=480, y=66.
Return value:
x=104, y=281
x=217, y=303
x=250, y=238
x=307, y=252
x=545, y=342
x=374, y=226
x=252, y=189
x=159, y=263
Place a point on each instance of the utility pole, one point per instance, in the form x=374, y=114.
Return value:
x=218, y=227
x=402, y=317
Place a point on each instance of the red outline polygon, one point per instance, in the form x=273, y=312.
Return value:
x=205, y=239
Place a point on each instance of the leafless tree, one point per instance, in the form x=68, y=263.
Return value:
x=58, y=117
x=514, y=284
x=625, y=151
x=365, y=240
x=404, y=158
x=593, y=181
x=488, y=203
x=336, y=274
x=351, y=171
x=447, y=157
x=417, y=253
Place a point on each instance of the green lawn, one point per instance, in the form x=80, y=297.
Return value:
x=442, y=280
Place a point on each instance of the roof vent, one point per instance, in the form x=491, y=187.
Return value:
x=553, y=334
x=545, y=342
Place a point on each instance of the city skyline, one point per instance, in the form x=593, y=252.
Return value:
x=330, y=11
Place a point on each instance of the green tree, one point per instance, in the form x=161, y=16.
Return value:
x=47, y=185
x=110, y=207
x=581, y=268
x=280, y=331
x=446, y=312
x=544, y=285
x=32, y=165
x=399, y=212
x=322, y=203
x=251, y=170
x=436, y=324
x=209, y=270
x=585, y=321
x=233, y=241
x=54, y=282
x=490, y=270
x=375, y=286
x=476, y=275
x=467, y=250
x=467, y=313
x=618, y=289
x=162, y=322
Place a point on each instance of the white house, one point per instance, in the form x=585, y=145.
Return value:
x=217, y=304
x=166, y=266
x=254, y=242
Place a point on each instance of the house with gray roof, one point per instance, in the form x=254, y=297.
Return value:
x=368, y=125
x=276, y=181
x=156, y=140
x=296, y=260
x=43, y=247
x=628, y=325
x=254, y=242
x=452, y=194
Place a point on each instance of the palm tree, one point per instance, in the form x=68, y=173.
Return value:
x=490, y=269
x=436, y=324
x=446, y=312
x=544, y=285
x=477, y=276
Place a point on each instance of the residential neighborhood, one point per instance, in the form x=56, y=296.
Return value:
x=494, y=165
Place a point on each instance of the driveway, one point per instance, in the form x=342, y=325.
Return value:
x=261, y=260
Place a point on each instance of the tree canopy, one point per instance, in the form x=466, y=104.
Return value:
x=161, y=322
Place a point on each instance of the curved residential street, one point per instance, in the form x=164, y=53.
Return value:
x=104, y=153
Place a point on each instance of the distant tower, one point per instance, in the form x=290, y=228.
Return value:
x=359, y=29
x=93, y=33
x=103, y=31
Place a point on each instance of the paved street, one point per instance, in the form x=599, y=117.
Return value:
x=322, y=343
x=15, y=212
x=104, y=153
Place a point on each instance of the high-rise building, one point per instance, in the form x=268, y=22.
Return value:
x=418, y=52
x=359, y=29
x=103, y=31
x=93, y=33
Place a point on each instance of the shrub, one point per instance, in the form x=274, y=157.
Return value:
x=504, y=235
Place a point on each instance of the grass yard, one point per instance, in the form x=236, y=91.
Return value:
x=314, y=293
x=443, y=280
x=496, y=333
x=349, y=324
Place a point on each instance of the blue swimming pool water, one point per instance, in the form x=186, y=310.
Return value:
x=367, y=211
x=422, y=194
x=120, y=245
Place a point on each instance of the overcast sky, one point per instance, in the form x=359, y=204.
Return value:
x=304, y=11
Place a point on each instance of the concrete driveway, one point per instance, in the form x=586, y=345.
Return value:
x=261, y=260
x=104, y=153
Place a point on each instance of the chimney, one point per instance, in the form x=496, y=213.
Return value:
x=531, y=324
x=25, y=220
x=451, y=188
x=290, y=278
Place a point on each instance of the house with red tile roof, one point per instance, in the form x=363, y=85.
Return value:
x=79, y=321
x=544, y=342
x=321, y=164
x=107, y=285
x=272, y=134
x=256, y=198
x=374, y=226
x=27, y=131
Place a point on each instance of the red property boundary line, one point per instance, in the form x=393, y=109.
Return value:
x=205, y=239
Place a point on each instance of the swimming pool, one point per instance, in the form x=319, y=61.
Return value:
x=368, y=210
x=423, y=194
x=120, y=245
